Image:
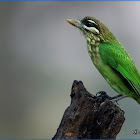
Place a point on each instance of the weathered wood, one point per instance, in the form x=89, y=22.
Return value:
x=90, y=117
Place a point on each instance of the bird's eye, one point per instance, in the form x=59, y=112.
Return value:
x=90, y=24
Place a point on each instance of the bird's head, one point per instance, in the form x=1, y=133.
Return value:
x=93, y=29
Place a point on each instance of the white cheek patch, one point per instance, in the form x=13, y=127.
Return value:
x=92, y=29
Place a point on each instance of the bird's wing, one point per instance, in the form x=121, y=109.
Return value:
x=119, y=59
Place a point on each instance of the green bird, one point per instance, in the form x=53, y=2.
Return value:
x=110, y=57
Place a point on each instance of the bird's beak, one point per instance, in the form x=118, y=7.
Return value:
x=74, y=22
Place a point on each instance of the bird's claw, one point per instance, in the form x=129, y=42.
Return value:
x=114, y=101
x=102, y=94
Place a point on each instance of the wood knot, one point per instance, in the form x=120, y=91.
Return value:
x=68, y=134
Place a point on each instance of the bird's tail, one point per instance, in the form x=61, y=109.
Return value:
x=136, y=97
x=138, y=101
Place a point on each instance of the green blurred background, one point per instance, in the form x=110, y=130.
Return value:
x=41, y=54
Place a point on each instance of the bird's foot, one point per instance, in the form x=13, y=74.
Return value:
x=117, y=98
x=114, y=99
x=102, y=94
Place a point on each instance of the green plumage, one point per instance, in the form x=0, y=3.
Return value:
x=119, y=60
x=110, y=58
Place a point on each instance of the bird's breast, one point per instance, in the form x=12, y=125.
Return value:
x=93, y=50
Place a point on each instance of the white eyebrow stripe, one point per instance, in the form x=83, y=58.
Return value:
x=91, y=21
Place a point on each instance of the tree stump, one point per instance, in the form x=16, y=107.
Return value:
x=89, y=116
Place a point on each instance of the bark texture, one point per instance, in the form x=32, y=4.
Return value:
x=89, y=116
